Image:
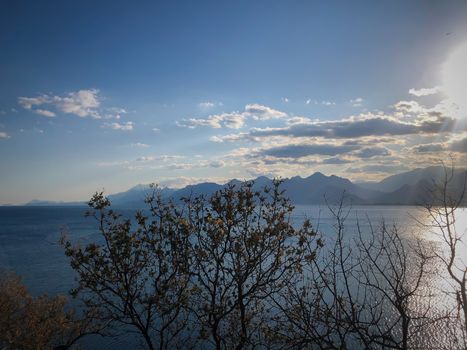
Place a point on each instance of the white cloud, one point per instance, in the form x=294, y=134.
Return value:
x=211, y=121
x=425, y=91
x=44, y=113
x=145, y=159
x=4, y=135
x=324, y=102
x=139, y=145
x=29, y=102
x=299, y=120
x=180, y=166
x=357, y=102
x=128, y=126
x=230, y=137
x=260, y=112
x=206, y=105
x=163, y=158
x=156, y=129
x=217, y=139
x=229, y=120
x=285, y=99
x=233, y=120
x=82, y=103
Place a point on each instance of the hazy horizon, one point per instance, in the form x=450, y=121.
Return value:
x=112, y=94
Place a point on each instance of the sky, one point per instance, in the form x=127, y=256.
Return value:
x=110, y=94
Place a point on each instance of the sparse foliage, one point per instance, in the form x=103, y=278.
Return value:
x=136, y=278
x=245, y=251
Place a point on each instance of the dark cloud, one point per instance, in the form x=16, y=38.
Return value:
x=369, y=152
x=335, y=160
x=429, y=148
x=355, y=128
x=459, y=146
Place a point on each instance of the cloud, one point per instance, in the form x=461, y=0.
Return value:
x=425, y=91
x=128, y=126
x=357, y=102
x=29, y=102
x=370, y=152
x=206, y=105
x=459, y=146
x=82, y=103
x=429, y=148
x=139, y=145
x=285, y=99
x=229, y=120
x=156, y=129
x=4, y=135
x=361, y=126
x=145, y=159
x=233, y=120
x=163, y=158
x=335, y=160
x=324, y=103
x=232, y=137
x=218, y=139
x=44, y=113
x=216, y=164
x=180, y=166
x=260, y=112
x=305, y=150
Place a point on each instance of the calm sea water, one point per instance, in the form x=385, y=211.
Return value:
x=29, y=239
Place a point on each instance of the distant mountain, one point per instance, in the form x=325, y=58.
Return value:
x=40, y=203
x=395, y=182
x=206, y=188
x=319, y=188
x=409, y=188
x=135, y=196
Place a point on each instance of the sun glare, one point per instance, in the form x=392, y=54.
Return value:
x=454, y=78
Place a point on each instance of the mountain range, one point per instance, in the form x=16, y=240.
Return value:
x=408, y=188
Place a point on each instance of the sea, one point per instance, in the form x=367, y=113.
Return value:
x=29, y=241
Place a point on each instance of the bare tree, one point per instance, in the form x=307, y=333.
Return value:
x=360, y=292
x=395, y=273
x=447, y=198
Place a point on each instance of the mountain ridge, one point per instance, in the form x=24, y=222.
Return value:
x=408, y=188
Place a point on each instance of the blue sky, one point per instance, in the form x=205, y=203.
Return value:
x=109, y=94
